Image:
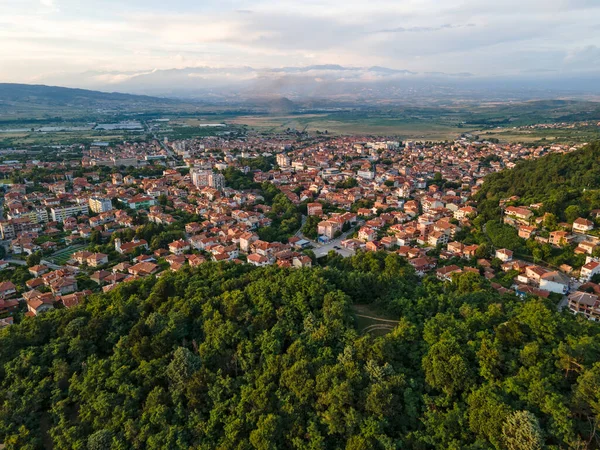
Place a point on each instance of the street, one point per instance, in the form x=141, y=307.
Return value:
x=322, y=249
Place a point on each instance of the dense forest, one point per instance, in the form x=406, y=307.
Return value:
x=559, y=181
x=231, y=356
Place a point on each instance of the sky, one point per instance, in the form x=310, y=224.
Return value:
x=59, y=40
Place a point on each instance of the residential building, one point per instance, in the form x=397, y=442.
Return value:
x=100, y=204
x=61, y=213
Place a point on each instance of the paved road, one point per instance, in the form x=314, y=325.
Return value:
x=323, y=249
x=50, y=265
x=18, y=262
x=166, y=148
x=299, y=232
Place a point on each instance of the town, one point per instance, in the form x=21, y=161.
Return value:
x=123, y=212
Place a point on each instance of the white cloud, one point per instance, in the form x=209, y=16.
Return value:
x=478, y=36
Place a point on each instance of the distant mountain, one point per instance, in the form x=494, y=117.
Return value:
x=324, y=81
x=20, y=98
x=276, y=106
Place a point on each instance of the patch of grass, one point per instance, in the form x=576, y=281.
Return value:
x=370, y=319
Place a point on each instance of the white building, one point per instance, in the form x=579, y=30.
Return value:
x=504, y=255
x=60, y=214
x=589, y=270
x=99, y=204
x=283, y=160
x=555, y=282
x=200, y=177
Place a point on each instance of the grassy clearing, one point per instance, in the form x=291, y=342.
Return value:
x=369, y=319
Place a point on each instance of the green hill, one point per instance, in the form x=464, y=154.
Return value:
x=230, y=356
x=17, y=100
x=556, y=180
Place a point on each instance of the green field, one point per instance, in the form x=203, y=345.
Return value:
x=500, y=121
x=423, y=122
x=356, y=124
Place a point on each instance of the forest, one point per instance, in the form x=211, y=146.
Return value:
x=233, y=356
x=557, y=180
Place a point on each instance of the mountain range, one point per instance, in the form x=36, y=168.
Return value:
x=330, y=82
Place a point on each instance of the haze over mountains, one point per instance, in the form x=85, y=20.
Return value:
x=330, y=82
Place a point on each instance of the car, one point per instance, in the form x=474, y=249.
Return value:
x=336, y=247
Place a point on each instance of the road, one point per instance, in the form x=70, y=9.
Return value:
x=166, y=148
x=50, y=265
x=299, y=232
x=18, y=262
x=322, y=249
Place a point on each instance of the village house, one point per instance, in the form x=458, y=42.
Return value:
x=504, y=254
x=7, y=290
x=555, y=281
x=367, y=234
x=130, y=247
x=314, y=209
x=179, y=247
x=38, y=270
x=585, y=303
x=559, y=238
x=465, y=212
x=446, y=273
x=589, y=270
x=522, y=214
x=586, y=248
x=257, y=259
x=301, y=261
x=143, y=269
x=526, y=231
x=39, y=303
x=534, y=274
x=63, y=285
x=582, y=225
x=328, y=228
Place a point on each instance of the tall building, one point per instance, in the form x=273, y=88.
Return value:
x=283, y=160
x=100, y=205
x=216, y=181
x=200, y=177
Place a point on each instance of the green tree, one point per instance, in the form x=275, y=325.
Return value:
x=522, y=431
x=34, y=259
x=572, y=213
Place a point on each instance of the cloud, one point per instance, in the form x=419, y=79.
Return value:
x=424, y=29
x=589, y=54
x=477, y=36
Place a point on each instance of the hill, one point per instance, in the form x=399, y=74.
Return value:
x=230, y=356
x=16, y=99
x=558, y=181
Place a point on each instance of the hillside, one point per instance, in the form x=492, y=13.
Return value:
x=16, y=99
x=230, y=356
x=556, y=180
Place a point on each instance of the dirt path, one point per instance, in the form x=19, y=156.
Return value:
x=377, y=318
